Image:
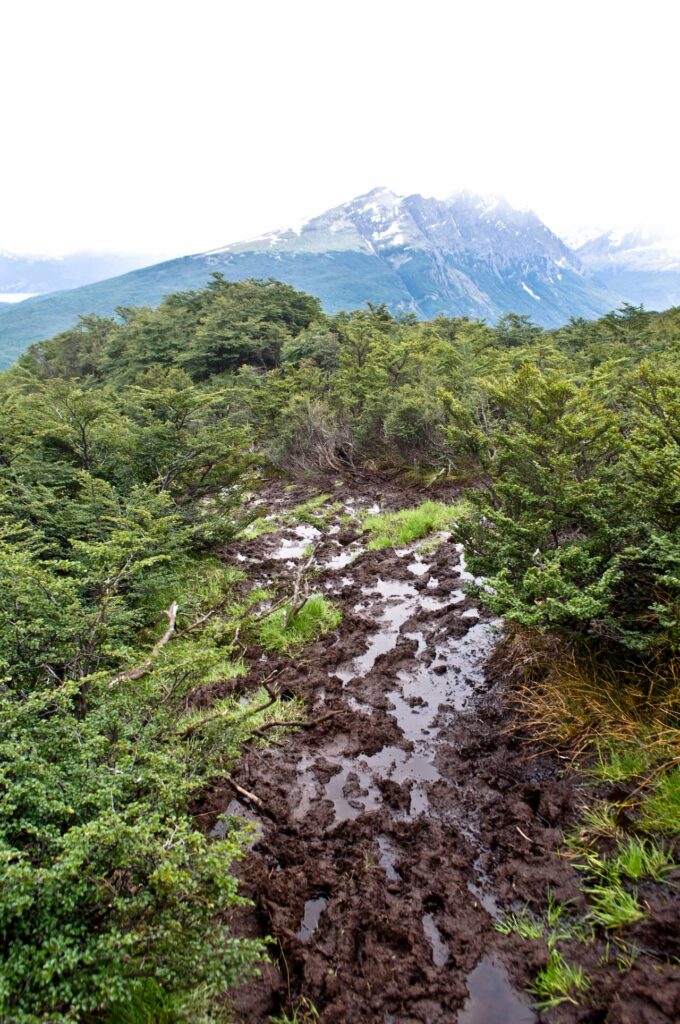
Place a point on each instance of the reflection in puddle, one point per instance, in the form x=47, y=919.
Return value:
x=485, y=899
x=416, y=701
x=401, y=601
x=310, y=918
x=437, y=604
x=235, y=809
x=440, y=953
x=295, y=547
x=470, y=613
x=418, y=567
x=342, y=559
x=388, y=858
x=492, y=997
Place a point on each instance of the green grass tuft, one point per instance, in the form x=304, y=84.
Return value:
x=523, y=924
x=559, y=982
x=304, y=1013
x=641, y=858
x=612, y=906
x=395, y=529
x=258, y=528
x=661, y=810
x=316, y=617
x=313, y=511
x=619, y=762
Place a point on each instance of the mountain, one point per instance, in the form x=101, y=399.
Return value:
x=642, y=267
x=36, y=275
x=463, y=256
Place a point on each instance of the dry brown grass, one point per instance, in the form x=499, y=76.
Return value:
x=572, y=699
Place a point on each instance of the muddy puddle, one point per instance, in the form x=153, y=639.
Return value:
x=395, y=829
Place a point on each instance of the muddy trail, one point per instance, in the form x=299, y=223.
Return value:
x=395, y=828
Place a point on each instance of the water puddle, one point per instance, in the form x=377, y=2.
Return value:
x=418, y=567
x=437, y=604
x=440, y=953
x=310, y=918
x=352, y=790
x=470, y=613
x=401, y=600
x=344, y=558
x=388, y=858
x=484, y=898
x=492, y=997
x=296, y=546
x=417, y=700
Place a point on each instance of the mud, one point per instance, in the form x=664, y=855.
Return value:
x=413, y=809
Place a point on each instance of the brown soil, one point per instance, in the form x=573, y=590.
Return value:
x=411, y=812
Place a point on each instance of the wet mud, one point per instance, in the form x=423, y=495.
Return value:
x=411, y=811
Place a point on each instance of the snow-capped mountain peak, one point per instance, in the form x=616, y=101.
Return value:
x=473, y=254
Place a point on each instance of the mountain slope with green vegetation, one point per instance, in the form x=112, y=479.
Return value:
x=463, y=256
x=126, y=449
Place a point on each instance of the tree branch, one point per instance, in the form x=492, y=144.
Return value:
x=140, y=670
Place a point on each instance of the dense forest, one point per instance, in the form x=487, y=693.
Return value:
x=128, y=448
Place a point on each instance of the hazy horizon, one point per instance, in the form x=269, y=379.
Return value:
x=162, y=131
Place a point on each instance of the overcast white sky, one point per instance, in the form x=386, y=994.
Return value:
x=171, y=127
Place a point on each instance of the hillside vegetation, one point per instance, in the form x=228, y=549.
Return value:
x=126, y=449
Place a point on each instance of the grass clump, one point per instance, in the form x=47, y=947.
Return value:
x=395, y=529
x=619, y=762
x=313, y=511
x=660, y=812
x=304, y=1013
x=523, y=924
x=555, y=926
x=641, y=858
x=612, y=906
x=283, y=632
x=258, y=527
x=559, y=982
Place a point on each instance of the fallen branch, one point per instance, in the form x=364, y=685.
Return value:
x=297, y=602
x=244, y=792
x=140, y=670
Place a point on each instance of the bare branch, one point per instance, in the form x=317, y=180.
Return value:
x=141, y=670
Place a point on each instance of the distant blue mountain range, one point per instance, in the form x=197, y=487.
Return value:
x=464, y=256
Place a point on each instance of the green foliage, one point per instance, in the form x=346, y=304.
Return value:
x=110, y=899
x=618, y=762
x=126, y=446
x=577, y=526
x=394, y=529
x=281, y=631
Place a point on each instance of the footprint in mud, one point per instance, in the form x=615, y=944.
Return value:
x=314, y=908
